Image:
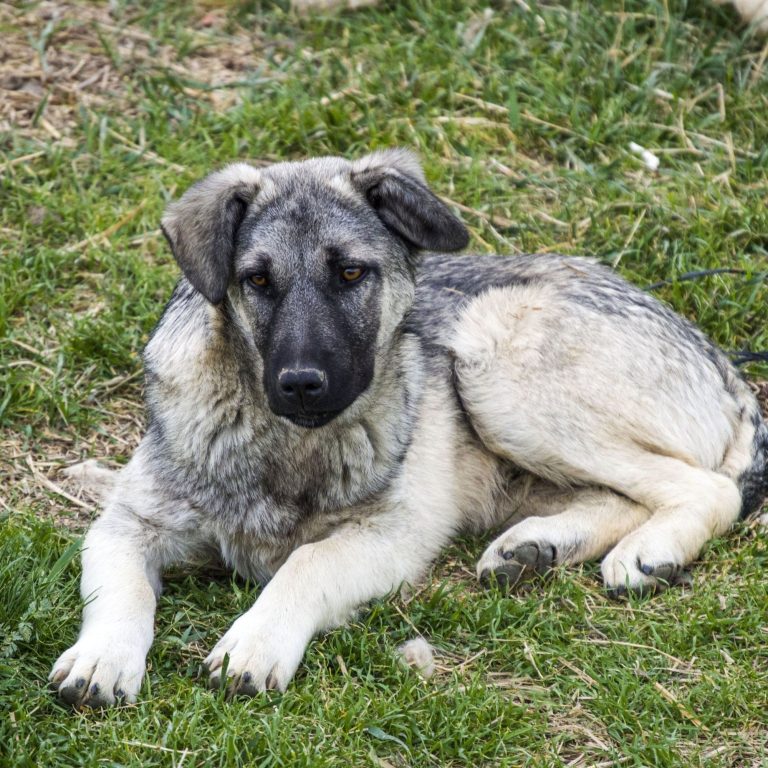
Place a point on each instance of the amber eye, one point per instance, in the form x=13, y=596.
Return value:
x=352, y=274
x=260, y=281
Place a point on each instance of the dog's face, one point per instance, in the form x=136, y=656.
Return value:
x=317, y=261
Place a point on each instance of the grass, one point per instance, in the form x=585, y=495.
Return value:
x=523, y=118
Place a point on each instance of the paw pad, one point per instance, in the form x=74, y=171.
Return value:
x=520, y=564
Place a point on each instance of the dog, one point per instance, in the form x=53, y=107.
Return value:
x=333, y=394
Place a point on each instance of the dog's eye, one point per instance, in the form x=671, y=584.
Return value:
x=352, y=274
x=260, y=281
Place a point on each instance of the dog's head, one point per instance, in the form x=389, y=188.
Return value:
x=317, y=259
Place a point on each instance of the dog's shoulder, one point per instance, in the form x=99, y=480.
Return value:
x=180, y=335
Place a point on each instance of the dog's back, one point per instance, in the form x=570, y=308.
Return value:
x=447, y=285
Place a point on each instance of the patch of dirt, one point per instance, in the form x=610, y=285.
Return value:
x=58, y=58
x=30, y=466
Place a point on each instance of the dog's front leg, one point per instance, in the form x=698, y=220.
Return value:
x=318, y=587
x=121, y=575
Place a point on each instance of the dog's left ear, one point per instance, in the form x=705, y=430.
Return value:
x=202, y=227
x=393, y=183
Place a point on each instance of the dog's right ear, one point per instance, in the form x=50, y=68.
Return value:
x=202, y=227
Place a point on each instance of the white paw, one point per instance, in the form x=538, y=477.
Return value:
x=99, y=671
x=527, y=549
x=643, y=563
x=262, y=654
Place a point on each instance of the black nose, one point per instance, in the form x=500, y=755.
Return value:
x=302, y=387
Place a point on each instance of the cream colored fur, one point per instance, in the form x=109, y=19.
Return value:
x=752, y=11
x=568, y=408
x=661, y=454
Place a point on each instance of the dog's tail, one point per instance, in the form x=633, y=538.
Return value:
x=746, y=461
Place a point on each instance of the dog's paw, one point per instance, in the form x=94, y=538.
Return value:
x=256, y=654
x=511, y=559
x=99, y=672
x=641, y=566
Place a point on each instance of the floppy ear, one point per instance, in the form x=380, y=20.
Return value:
x=393, y=183
x=202, y=226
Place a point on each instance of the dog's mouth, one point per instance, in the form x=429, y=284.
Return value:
x=311, y=420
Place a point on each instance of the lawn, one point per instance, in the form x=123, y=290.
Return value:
x=523, y=115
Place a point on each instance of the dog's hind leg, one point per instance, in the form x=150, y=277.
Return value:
x=587, y=398
x=562, y=527
x=691, y=505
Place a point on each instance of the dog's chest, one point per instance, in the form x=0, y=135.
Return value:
x=259, y=510
x=260, y=489
x=260, y=485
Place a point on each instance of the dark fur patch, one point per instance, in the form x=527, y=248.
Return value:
x=753, y=483
x=411, y=209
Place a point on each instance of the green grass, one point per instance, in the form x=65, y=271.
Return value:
x=526, y=122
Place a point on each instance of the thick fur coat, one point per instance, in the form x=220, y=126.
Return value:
x=328, y=406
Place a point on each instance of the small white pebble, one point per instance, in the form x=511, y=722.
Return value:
x=651, y=161
x=418, y=655
x=763, y=520
x=308, y=6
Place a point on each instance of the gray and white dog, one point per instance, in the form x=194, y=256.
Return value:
x=328, y=407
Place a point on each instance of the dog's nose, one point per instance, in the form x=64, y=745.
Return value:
x=303, y=386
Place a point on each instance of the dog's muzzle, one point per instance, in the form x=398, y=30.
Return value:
x=302, y=388
x=302, y=395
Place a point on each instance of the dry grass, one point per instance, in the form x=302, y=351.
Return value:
x=60, y=58
x=524, y=119
x=30, y=467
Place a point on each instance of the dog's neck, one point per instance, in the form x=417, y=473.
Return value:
x=205, y=399
x=358, y=453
